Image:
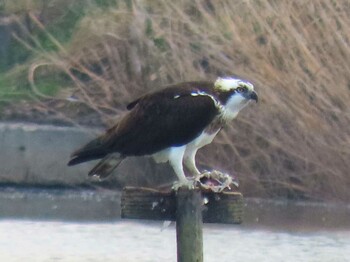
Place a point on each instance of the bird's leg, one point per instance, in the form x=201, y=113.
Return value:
x=175, y=159
x=209, y=180
x=190, y=163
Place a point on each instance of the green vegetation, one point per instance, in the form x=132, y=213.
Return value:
x=295, y=143
x=10, y=82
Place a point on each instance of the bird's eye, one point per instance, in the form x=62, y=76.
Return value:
x=242, y=89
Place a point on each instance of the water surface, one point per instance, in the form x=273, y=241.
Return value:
x=84, y=225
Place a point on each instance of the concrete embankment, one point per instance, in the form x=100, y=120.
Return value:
x=38, y=154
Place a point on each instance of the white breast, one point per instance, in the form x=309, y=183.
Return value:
x=202, y=140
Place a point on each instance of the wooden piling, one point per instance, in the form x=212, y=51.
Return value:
x=189, y=225
x=189, y=208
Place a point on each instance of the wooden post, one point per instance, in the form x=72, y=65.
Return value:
x=189, y=208
x=189, y=225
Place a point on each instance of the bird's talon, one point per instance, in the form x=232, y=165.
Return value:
x=188, y=183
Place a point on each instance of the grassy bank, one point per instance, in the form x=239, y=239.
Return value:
x=294, y=143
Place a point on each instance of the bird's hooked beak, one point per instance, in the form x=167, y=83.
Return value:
x=254, y=96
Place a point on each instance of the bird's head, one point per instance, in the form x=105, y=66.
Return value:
x=234, y=94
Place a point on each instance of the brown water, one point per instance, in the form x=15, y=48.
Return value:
x=83, y=225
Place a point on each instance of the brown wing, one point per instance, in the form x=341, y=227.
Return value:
x=170, y=117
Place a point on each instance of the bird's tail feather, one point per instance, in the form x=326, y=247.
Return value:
x=91, y=151
x=105, y=167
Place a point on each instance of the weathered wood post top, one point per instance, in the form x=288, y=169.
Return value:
x=146, y=203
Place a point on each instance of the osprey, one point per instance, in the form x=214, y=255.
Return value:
x=170, y=125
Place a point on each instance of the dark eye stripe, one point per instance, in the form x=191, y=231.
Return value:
x=224, y=96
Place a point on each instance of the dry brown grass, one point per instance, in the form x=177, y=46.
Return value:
x=295, y=142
